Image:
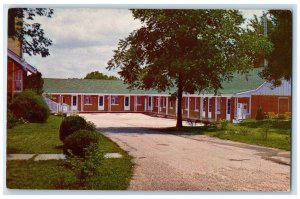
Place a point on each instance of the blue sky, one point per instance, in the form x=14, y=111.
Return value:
x=85, y=43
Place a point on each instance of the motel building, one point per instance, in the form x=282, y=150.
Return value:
x=239, y=99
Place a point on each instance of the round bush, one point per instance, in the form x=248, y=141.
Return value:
x=30, y=106
x=79, y=140
x=71, y=124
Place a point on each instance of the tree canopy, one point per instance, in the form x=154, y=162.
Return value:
x=31, y=35
x=34, y=82
x=98, y=75
x=192, y=50
x=280, y=60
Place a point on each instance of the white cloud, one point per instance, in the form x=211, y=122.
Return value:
x=84, y=38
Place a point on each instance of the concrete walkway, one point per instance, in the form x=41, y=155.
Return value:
x=171, y=162
x=40, y=157
x=36, y=157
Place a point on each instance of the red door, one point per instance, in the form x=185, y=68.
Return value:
x=283, y=105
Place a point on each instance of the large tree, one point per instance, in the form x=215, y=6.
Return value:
x=21, y=26
x=192, y=50
x=280, y=60
x=98, y=75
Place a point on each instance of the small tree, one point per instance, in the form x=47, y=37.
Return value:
x=259, y=113
x=35, y=82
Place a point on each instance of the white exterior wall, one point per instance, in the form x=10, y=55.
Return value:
x=285, y=89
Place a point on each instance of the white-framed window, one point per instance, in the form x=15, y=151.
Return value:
x=88, y=100
x=114, y=100
x=196, y=104
x=218, y=105
x=186, y=103
x=139, y=100
x=18, y=80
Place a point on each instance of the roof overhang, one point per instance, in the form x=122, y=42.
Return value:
x=27, y=67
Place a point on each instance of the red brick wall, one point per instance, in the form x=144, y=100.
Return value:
x=120, y=106
x=268, y=103
x=93, y=106
x=11, y=68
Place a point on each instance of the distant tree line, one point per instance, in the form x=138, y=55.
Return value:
x=98, y=75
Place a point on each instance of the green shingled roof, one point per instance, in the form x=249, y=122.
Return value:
x=54, y=85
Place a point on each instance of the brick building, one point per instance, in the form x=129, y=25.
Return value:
x=239, y=98
x=17, y=67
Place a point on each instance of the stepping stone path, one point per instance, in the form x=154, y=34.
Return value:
x=112, y=155
x=40, y=157
x=50, y=157
x=19, y=156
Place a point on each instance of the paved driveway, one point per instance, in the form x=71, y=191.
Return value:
x=171, y=162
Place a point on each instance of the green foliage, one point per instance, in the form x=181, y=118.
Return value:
x=90, y=126
x=77, y=142
x=104, y=174
x=98, y=75
x=71, y=124
x=224, y=124
x=35, y=138
x=88, y=167
x=34, y=82
x=29, y=33
x=264, y=131
x=12, y=120
x=193, y=50
x=30, y=106
x=280, y=60
x=259, y=114
x=244, y=130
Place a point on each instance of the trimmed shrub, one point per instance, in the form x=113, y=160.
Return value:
x=77, y=142
x=71, y=124
x=30, y=106
x=90, y=126
x=259, y=114
x=12, y=120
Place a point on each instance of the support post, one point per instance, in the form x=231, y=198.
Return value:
x=201, y=108
x=158, y=104
x=250, y=102
x=188, y=113
x=167, y=105
x=216, y=114
x=176, y=106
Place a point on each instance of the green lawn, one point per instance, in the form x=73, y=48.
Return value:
x=249, y=131
x=35, y=137
x=112, y=174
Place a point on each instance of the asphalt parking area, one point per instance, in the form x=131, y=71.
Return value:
x=171, y=162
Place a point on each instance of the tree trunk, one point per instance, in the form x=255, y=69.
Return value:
x=179, y=105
